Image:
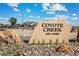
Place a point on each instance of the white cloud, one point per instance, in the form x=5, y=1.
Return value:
x=38, y=16
x=58, y=7
x=41, y=10
x=49, y=12
x=14, y=6
x=48, y=18
x=74, y=14
x=64, y=17
x=75, y=18
x=52, y=8
x=28, y=10
x=21, y=15
x=3, y=19
x=16, y=9
x=30, y=16
x=45, y=6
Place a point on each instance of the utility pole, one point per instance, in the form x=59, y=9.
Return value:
x=22, y=21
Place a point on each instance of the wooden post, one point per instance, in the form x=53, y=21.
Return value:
x=78, y=34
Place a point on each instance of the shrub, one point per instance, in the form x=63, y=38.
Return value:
x=77, y=42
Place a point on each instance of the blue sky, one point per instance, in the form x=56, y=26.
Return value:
x=40, y=11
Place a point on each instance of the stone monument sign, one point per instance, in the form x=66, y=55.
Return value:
x=52, y=30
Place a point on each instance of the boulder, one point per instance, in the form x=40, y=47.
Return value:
x=65, y=48
x=5, y=34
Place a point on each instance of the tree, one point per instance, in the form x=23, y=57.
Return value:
x=13, y=21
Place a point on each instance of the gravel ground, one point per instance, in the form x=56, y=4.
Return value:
x=35, y=50
x=25, y=49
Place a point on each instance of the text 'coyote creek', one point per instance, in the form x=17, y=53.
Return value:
x=47, y=27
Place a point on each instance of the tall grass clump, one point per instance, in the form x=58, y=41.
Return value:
x=43, y=42
x=50, y=41
x=56, y=43
x=38, y=42
x=33, y=42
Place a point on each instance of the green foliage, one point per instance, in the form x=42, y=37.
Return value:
x=77, y=27
x=13, y=21
x=77, y=42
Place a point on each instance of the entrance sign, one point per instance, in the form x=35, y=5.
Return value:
x=54, y=30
